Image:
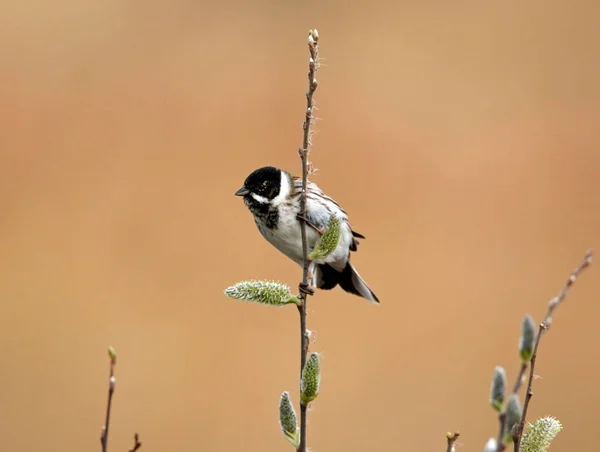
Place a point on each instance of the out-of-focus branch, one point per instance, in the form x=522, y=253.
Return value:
x=502, y=416
x=111, y=389
x=112, y=354
x=136, y=443
x=450, y=440
x=544, y=326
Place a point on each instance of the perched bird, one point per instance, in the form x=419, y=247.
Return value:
x=273, y=197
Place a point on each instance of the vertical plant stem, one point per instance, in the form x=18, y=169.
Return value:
x=111, y=390
x=313, y=39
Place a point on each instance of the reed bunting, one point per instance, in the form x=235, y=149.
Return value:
x=273, y=197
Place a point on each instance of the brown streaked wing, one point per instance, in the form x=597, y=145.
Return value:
x=316, y=192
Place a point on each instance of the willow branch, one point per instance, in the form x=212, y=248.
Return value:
x=112, y=354
x=313, y=47
x=502, y=416
x=544, y=326
x=450, y=440
x=111, y=390
x=136, y=443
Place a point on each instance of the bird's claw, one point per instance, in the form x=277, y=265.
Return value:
x=305, y=289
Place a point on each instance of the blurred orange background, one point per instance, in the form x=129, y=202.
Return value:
x=463, y=140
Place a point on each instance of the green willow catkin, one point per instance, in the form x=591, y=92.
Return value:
x=527, y=340
x=498, y=389
x=540, y=435
x=266, y=292
x=328, y=242
x=311, y=379
x=288, y=420
x=514, y=411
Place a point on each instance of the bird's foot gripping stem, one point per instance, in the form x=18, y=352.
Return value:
x=305, y=289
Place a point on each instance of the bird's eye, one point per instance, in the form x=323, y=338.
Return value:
x=265, y=184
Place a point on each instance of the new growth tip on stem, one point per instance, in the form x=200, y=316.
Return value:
x=451, y=438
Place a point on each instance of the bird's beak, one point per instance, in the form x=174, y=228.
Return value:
x=242, y=192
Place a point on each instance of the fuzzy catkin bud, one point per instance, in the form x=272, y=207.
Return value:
x=328, y=242
x=498, y=389
x=311, y=379
x=491, y=445
x=265, y=292
x=540, y=435
x=527, y=340
x=513, y=416
x=112, y=354
x=288, y=420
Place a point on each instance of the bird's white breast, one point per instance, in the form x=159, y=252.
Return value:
x=287, y=236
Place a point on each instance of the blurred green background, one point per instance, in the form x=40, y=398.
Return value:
x=462, y=138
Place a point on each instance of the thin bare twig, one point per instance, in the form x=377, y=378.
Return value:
x=450, y=440
x=519, y=380
x=136, y=443
x=502, y=416
x=111, y=390
x=313, y=47
x=544, y=326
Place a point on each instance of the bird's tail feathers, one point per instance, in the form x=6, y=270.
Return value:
x=349, y=280
x=327, y=277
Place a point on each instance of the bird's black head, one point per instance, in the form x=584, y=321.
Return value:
x=263, y=183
